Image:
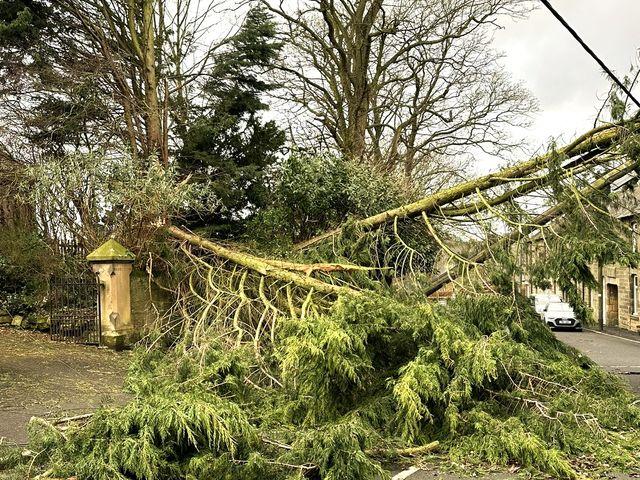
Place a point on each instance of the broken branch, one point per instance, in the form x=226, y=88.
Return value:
x=261, y=266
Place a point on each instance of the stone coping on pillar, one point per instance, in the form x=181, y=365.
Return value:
x=111, y=252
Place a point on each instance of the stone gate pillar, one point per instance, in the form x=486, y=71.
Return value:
x=112, y=263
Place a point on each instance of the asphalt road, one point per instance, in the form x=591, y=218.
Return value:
x=51, y=380
x=616, y=354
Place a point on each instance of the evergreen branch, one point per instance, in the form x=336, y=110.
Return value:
x=586, y=146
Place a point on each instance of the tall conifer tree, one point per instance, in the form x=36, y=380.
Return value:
x=229, y=144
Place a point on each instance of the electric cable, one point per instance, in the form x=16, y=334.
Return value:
x=589, y=51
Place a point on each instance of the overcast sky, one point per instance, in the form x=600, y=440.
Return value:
x=566, y=80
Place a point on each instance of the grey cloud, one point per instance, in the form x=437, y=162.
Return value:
x=568, y=83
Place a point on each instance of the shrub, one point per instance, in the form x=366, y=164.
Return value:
x=25, y=265
x=314, y=193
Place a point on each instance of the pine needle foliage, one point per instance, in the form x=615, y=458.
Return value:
x=332, y=390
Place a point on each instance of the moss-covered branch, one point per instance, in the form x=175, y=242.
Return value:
x=521, y=190
x=582, y=149
x=271, y=268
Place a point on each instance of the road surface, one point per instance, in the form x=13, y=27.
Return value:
x=48, y=379
x=616, y=354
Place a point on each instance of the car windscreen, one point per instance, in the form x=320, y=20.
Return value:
x=559, y=308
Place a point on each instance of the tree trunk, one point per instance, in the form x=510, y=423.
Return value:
x=543, y=219
x=583, y=148
x=152, y=114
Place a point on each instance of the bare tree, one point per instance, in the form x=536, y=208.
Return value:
x=112, y=72
x=400, y=83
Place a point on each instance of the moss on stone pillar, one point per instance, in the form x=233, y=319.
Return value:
x=112, y=263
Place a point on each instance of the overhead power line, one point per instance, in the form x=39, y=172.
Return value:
x=590, y=52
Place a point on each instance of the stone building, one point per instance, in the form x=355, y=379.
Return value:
x=620, y=306
x=615, y=303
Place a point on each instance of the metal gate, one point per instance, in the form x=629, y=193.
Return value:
x=75, y=310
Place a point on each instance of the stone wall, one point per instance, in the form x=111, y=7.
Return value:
x=149, y=302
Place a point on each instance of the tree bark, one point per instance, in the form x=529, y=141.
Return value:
x=262, y=266
x=583, y=148
x=153, y=115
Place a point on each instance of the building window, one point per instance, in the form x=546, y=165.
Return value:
x=634, y=237
x=634, y=294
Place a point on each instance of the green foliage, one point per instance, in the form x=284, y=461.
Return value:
x=25, y=265
x=21, y=21
x=314, y=193
x=617, y=106
x=501, y=442
x=175, y=418
x=228, y=148
x=503, y=270
x=10, y=457
x=338, y=450
x=18, y=463
x=59, y=122
x=332, y=389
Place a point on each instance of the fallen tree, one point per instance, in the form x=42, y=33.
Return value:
x=282, y=369
x=585, y=147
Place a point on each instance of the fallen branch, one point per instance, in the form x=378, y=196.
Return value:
x=586, y=146
x=308, y=269
x=521, y=190
x=77, y=418
x=50, y=426
x=261, y=266
x=46, y=474
x=404, y=452
x=378, y=452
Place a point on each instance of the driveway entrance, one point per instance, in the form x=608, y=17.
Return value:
x=43, y=378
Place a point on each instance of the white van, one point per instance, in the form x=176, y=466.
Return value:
x=541, y=300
